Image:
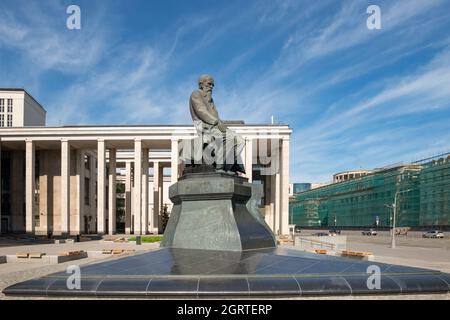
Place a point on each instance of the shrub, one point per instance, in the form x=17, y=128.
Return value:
x=148, y=239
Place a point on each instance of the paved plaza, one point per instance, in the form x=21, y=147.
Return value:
x=424, y=253
x=411, y=251
x=14, y=272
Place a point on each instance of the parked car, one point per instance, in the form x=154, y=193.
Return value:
x=321, y=234
x=334, y=232
x=297, y=229
x=369, y=232
x=433, y=234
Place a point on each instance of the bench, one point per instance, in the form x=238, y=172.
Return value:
x=71, y=253
x=354, y=253
x=37, y=255
x=116, y=251
x=22, y=255
x=120, y=240
x=284, y=239
x=321, y=251
x=357, y=254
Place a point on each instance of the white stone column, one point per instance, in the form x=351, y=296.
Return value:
x=156, y=205
x=44, y=226
x=144, y=204
x=92, y=193
x=137, y=186
x=65, y=186
x=29, y=185
x=284, y=197
x=269, y=200
x=101, y=186
x=249, y=159
x=276, y=203
x=128, y=197
x=174, y=161
x=112, y=192
x=0, y=186
x=80, y=193
x=161, y=196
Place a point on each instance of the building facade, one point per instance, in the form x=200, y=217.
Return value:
x=349, y=175
x=69, y=180
x=299, y=187
x=435, y=192
x=423, y=198
x=20, y=109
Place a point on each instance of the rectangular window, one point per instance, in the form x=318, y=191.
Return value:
x=2, y=120
x=2, y=105
x=10, y=105
x=9, y=122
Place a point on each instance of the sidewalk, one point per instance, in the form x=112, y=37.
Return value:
x=96, y=245
x=429, y=258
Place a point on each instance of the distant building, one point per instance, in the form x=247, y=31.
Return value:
x=20, y=109
x=300, y=187
x=423, y=195
x=295, y=188
x=435, y=192
x=318, y=185
x=349, y=175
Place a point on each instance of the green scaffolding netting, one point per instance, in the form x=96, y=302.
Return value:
x=423, y=199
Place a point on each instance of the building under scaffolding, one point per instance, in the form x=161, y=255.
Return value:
x=423, y=198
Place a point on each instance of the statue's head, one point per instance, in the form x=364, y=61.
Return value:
x=206, y=83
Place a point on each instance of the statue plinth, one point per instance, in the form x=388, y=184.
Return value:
x=210, y=213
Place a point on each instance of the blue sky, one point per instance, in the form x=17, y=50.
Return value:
x=354, y=97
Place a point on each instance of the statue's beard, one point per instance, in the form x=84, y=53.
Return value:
x=209, y=95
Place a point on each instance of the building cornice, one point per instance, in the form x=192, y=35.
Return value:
x=145, y=132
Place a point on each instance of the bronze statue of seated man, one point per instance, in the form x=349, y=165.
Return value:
x=216, y=144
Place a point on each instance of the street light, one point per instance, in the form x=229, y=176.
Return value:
x=292, y=214
x=394, y=212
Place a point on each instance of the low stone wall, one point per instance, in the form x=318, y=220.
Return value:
x=47, y=259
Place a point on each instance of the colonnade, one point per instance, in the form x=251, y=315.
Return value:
x=73, y=188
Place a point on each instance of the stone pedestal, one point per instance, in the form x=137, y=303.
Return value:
x=210, y=213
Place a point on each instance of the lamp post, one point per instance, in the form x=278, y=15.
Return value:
x=394, y=214
x=291, y=209
x=394, y=209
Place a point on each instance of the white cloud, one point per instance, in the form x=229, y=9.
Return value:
x=45, y=43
